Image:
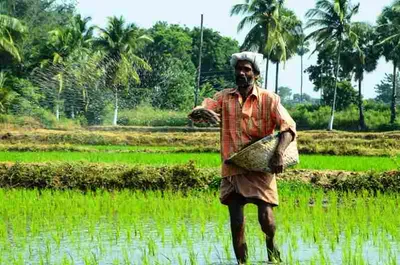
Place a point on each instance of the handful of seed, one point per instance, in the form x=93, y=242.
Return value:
x=204, y=115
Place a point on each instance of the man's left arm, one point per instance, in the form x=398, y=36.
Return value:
x=287, y=128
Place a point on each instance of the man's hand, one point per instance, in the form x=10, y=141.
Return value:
x=276, y=163
x=201, y=114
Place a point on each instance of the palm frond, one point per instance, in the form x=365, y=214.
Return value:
x=8, y=46
x=239, y=9
x=12, y=24
x=246, y=21
x=386, y=40
x=146, y=38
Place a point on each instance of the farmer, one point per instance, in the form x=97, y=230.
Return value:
x=248, y=113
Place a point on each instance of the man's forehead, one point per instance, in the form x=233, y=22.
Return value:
x=244, y=63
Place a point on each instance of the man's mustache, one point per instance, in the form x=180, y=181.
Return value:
x=241, y=78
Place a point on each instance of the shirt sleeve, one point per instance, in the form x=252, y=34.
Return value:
x=282, y=118
x=214, y=104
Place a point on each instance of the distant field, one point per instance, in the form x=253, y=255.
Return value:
x=204, y=160
x=309, y=142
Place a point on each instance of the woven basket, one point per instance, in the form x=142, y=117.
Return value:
x=256, y=156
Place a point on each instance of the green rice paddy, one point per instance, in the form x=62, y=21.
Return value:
x=127, y=227
x=205, y=160
x=192, y=228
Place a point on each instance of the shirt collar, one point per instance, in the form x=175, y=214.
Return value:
x=254, y=91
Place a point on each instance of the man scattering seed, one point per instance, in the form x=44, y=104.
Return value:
x=248, y=113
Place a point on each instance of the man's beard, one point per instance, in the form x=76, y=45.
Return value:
x=243, y=81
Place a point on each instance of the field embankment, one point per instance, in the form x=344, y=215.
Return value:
x=309, y=142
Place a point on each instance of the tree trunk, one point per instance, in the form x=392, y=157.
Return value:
x=266, y=73
x=277, y=78
x=393, y=104
x=115, y=108
x=57, y=111
x=360, y=106
x=265, y=44
x=72, y=112
x=301, y=80
x=330, y=125
x=58, y=107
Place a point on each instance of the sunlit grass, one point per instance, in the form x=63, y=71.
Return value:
x=204, y=160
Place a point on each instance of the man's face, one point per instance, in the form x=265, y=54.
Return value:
x=244, y=74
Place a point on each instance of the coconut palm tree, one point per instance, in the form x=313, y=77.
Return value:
x=388, y=34
x=10, y=29
x=302, y=50
x=263, y=18
x=361, y=60
x=289, y=30
x=64, y=42
x=5, y=93
x=331, y=21
x=119, y=42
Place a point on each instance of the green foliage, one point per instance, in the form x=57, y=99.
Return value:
x=315, y=117
x=346, y=95
x=40, y=17
x=81, y=75
x=217, y=50
x=10, y=29
x=177, y=90
x=306, y=98
x=285, y=93
x=384, y=89
x=173, y=77
x=388, y=33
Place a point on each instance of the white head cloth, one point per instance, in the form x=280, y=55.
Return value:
x=255, y=58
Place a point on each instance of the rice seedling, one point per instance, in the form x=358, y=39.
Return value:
x=154, y=227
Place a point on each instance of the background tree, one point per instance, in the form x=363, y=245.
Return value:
x=119, y=42
x=302, y=49
x=361, y=59
x=217, y=50
x=169, y=55
x=11, y=29
x=40, y=17
x=304, y=98
x=288, y=35
x=388, y=30
x=383, y=90
x=285, y=93
x=4, y=93
x=263, y=18
x=75, y=38
x=332, y=20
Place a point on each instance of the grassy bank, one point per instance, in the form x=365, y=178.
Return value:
x=90, y=176
x=310, y=142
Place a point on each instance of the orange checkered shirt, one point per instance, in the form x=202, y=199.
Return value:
x=242, y=123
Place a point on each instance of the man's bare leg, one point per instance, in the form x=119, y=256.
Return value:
x=267, y=222
x=237, y=228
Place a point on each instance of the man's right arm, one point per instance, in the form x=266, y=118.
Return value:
x=209, y=110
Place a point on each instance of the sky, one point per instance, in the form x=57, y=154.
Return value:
x=145, y=13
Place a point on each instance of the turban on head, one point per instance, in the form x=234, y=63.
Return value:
x=256, y=59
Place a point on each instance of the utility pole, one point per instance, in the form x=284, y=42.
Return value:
x=196, y=94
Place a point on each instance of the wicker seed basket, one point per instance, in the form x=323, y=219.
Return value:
x=256, y=156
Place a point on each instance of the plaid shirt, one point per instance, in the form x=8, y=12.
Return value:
x=242, y=123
